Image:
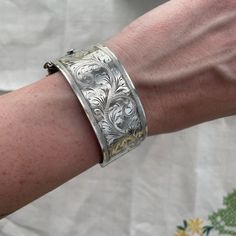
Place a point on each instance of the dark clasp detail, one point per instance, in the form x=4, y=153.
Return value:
x=70, y=52
x=50, y=67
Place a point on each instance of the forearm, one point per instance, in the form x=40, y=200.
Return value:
x=45, y=140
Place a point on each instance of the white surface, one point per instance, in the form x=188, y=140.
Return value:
x=150, y=191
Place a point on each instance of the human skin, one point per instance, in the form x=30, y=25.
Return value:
x=181, y=57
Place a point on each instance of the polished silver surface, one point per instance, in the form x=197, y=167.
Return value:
x=108, y=97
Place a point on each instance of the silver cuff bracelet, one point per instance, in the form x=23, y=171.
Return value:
x=108, y=97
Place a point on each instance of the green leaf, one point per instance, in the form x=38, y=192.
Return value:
x=207, y=230
x=180, y=227
x=185, y=224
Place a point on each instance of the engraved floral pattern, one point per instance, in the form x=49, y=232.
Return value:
x=110, y=99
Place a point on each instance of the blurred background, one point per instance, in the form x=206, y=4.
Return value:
x=34, y=31
x=148, y=192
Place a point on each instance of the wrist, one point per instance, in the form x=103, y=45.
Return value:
x=129, y=58
x=175, y=100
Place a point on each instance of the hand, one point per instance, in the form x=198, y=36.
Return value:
x=181, y=57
